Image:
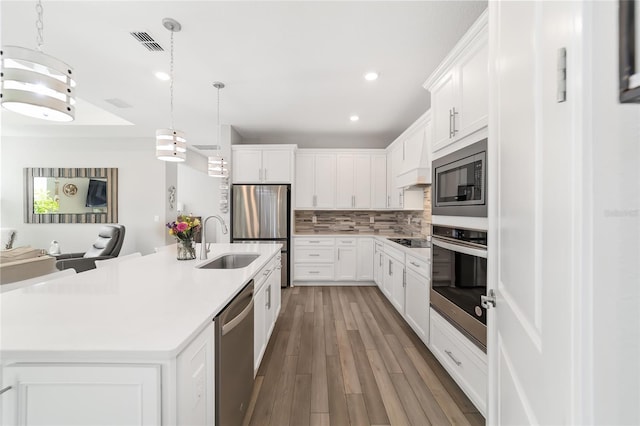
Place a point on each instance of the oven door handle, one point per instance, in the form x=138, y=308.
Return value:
x=459, y=249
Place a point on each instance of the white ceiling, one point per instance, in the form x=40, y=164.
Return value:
x=293, y=70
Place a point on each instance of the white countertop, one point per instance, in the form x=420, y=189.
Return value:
x=145, y=307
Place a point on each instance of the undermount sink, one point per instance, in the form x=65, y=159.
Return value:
x=230, y=261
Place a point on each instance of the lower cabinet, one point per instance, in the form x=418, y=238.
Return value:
x=266, y=306
x=378, y=266
x=417, y=283
x=394, y=279
x=463, y=360
x=81, y=394
x=344, y=259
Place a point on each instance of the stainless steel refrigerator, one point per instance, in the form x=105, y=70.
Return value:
x=262, y=214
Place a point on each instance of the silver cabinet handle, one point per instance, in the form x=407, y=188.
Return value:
x=400, y=199
x=269, y=298
x=314, y=242
x=450, y=115
x=314, y=254
x=3, y=390
x=390, y=268
x=314, y=272
x=267, y=272
x=453, y=122
x=404, y=278
x=458, y=363
x=414, y=264
x=338, y=253
x=380, y=260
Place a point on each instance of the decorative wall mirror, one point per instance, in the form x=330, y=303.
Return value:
x=79, y=195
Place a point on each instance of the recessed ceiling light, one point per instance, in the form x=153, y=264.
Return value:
x=370, y=76
x=160, y=75
x=354, y=118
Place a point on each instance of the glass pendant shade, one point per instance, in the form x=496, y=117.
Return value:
x=36, y=84
x=171, y=145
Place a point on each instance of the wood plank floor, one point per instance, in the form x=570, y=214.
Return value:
x=344, y=356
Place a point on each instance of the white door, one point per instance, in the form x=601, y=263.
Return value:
x=247, y=166
x=531, y=246
x=344, y=177
x=325, y=179
x=345, y=263
x=361, y=181
x=305, y=181
x=378, y=181
x=276, y=166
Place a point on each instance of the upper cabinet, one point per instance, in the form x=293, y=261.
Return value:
x=460, y=87
x=340, y=179
x=263, y=163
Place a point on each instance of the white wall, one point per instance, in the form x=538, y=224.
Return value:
x=141, y=192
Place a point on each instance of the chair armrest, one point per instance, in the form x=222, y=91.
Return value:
x=80, y=264
x=67, y=255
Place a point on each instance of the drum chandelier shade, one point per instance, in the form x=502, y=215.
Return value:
x=35, y=84
x=216, y=164
x=171, y=144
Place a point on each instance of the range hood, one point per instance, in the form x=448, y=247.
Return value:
x=419, y=176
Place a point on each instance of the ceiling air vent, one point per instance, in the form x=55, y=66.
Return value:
x=118, y=103
x=147, y=41
x=207, y=147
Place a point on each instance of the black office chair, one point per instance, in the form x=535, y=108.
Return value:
x=107, y=246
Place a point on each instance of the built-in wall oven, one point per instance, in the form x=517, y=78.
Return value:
x=459, y=279
x=460, y=182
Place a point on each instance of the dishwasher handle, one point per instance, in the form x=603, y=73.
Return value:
x=228, y=326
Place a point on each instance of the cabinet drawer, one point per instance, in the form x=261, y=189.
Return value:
x=394, y=253
x=314, y=255
x=466, y=363
x=418, y=265
x=315, y=242
x=345, y=241
x=304, y=272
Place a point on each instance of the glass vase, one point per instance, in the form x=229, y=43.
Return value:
x=186, y=250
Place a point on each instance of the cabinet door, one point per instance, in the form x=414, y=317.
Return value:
x=305, y=181
x=442, y=102
x=345, y=263
x=325, y=181
x=417, y=303
x=77, y=394
x=397, y=285
x=259, y=335
x=473, y=78
x=395, y=193
x=195, y=384
x=276, y=166
x=345, y=189
x=247, y=166
x=361, y=181
x=378, y=266
x=378, y=181
x=387, y=276
x=364, y=268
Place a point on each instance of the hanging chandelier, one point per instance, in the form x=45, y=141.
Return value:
x=35, y=84
x=171, y=144
x=217, y=165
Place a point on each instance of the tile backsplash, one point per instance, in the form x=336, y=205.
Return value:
x=415, y=223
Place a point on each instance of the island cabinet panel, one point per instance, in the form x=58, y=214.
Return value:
x=195, y=380
x=81, y=394
x=266, y=306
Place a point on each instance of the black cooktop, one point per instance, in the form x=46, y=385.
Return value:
x=412, y=242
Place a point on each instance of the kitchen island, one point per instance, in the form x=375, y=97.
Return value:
x=136, y=335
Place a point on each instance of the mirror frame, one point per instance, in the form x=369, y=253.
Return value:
x=111, y=216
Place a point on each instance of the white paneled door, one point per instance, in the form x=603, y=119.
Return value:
x=532, y=246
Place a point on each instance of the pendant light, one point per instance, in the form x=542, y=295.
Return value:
x=171, y=144
x=35, y=84
x=217, y=165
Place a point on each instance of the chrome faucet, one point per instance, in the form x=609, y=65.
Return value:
x=204, y=248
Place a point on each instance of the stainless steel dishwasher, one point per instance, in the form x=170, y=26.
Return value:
x=234, y=358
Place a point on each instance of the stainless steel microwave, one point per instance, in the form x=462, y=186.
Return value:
x=460, y=182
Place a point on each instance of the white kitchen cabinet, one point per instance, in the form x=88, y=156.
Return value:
x=195, y=384
x=417, y=296
x=315, y=181
x=459, y=89
x=345, y=259
x=314, y=258
x=262, y=164
x=394, y=165
x=378, y=265
x=364, y=267
x=266, y=306
x=81, y=394
x=353, y=181
x=394, y=277
x=378, y=181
